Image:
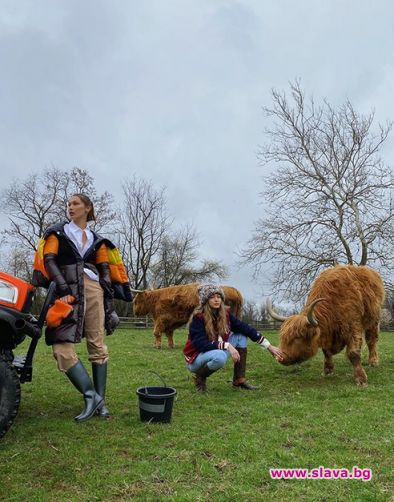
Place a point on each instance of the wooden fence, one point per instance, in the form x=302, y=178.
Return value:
x=147, y=322
x=136, y=322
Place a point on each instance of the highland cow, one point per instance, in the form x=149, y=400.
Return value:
x=344, y=304
x=172, y=307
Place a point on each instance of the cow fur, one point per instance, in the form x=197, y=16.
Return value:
x=353, y=297
x=172, y=307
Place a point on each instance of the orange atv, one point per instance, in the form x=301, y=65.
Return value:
x=16, y=323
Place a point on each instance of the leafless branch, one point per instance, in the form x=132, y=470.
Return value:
x=330, y=199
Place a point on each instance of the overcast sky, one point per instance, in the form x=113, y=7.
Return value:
x=172, y=90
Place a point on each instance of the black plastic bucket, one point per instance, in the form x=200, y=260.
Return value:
x=156, y=403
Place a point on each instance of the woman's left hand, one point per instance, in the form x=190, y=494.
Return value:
x=233, y=353
x=67, y=299
x=276, y=352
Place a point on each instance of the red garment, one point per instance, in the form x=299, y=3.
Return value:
x=198, y=340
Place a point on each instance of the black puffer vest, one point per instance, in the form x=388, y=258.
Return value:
x=71, y=264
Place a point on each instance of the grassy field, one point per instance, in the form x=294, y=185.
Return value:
x=218, y=447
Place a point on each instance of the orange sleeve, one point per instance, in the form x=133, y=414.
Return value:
x=51, y=245
x=101, y=254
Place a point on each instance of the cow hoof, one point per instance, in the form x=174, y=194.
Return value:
x=328, y=371
x=373, y=364
x=361, y=381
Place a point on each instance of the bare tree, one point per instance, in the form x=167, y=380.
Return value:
x=389, y=302
x=40, y=200
x=330, y=200
x=176, y=261
x=31, y=204
x=80, y=181
x=249, y=312
x=142, y=224
x=18, y=261
x=262, y=314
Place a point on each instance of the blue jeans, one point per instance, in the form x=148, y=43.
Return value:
x=216, y=359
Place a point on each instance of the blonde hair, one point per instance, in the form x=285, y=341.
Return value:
x=210, y=319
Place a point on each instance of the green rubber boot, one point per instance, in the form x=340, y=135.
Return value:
x=100, y=384
x=81, y=380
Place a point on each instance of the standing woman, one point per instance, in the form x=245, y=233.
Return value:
x=215, y=334
x=76, y=259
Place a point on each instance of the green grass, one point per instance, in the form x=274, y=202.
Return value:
x=219, y=446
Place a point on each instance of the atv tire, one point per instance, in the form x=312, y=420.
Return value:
x=10, y=395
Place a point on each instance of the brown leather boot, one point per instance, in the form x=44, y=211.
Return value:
x=200, y=378
x=239, y=379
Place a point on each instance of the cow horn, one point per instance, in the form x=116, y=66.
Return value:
x=272, y=313
x=137, y=290
x=311, y=320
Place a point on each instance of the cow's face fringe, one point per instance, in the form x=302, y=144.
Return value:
x=298, y=339
x=142, y=303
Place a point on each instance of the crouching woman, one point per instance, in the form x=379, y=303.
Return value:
x=214, y=335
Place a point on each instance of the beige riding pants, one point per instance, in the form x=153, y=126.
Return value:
x=64, y=353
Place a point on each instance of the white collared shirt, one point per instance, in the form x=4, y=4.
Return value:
x=74, y=233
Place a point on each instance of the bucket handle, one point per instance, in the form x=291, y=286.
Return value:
x=158, y=375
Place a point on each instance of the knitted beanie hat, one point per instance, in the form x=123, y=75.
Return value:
x=205, y=291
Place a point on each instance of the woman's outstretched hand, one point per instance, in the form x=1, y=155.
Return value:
x=276, y=352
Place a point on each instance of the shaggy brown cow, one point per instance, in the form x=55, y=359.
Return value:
x=171, y=307
x=343, y=304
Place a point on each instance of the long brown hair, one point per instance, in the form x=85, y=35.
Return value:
x=213, y=317
x=88, y=203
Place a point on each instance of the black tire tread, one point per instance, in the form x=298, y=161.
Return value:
x=10, y=395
